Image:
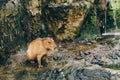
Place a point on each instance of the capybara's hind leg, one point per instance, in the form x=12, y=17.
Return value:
x=46, y=58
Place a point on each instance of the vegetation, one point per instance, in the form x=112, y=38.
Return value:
x=96, y=18
x=113, y=66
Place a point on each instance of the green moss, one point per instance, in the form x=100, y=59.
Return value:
x=113, y=66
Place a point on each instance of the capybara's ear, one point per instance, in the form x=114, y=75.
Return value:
x=45, y=40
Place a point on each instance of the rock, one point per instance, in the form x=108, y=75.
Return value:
x=112, y=59
x=82, y=55
x=85, y=55
x=97, y=60
x=78, y=58
x=117, y=53
x=88, y=43
x=113, y=56
x=33, y=7
x=12, y=5
x=57, y=71
x=57, y=58
x=17, y=59
x=90, y=74
x=67, y=18
x=93, y=41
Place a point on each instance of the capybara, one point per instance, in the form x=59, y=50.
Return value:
x=39, y=48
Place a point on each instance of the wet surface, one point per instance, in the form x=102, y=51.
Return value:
x=69, y=57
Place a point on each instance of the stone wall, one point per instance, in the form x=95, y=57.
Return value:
x=23, y=20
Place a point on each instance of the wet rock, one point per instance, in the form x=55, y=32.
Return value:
x=85, y=55
x=95, y=74
x=33, y=7
x=112, y=59
x=78, y=58
x=57, y=71
x=89, y=74
x=57, y=75
x=88, y=41
x=12, y=4
x=64, y=18
x=96, y=60
x=57, y=58
x=118, y=54
x=93, y=41
x=16, y=59
x=82, y=56
x=113, y=56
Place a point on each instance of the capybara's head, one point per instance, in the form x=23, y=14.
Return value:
x=49, y=43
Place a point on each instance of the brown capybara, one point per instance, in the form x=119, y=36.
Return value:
x=39, y=48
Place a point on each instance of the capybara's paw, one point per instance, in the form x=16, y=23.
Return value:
x=40, y=66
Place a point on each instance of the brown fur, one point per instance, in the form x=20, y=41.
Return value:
x=39, y=48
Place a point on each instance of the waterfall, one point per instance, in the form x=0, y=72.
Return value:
x=115, y=6
x=105, y=20
x=114, y=17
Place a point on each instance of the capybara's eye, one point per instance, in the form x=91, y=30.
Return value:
x=49, y=42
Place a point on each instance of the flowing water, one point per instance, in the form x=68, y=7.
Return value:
x=116, y=31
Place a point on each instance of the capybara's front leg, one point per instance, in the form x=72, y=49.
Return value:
x=39, y=60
